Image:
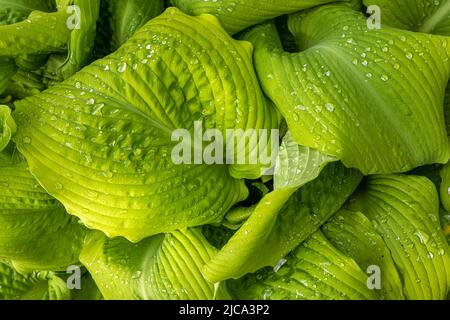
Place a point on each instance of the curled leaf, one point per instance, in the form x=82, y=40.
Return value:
x=7, y=126
x=354, y=235
x=297, y=165
x=315, y=270
x=404, y=210
x=160, y=267
x=106, y=149
x=416, y=15
x=239, y=15
x=371, y=98
x=281, y=221
x=33, y=286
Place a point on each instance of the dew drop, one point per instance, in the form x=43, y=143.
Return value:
x=329, y=107
x=423, y=237
x=279, y=265
x=91, y=194
x=121, y=67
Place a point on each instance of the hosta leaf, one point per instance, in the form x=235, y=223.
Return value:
x=237, y=216
x=405, y=211
x=7, y=126
x=445, y=200
x=445, y=223
x=7, y=70
x=166, y=266
x=31, y=62
x=447, y=109
x=431, y=172
x=353, y=234
x=41, y=33
x=34, y=286
x=101, y=141
x=282, y=220
x=239, y=15
x=36, y=232
x=445, y=187
x=13, y=11
x=416, y=15
x=126, y=17
x=315, y=270
x=355, y=4
x=83, y=30
x=88, y=290
x=24, y=84
x=371, y=98
x=297, y=165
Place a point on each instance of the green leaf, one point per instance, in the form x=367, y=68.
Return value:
x=33, y=286
x=81, y=42
x=101, y=141
x=237, y=216
x=37, y=233
x=371, y=98
x=7, y=70
x=353, y=234
x=126, y=17
x=88, y=291
x=445, y=187
x=355, y=4
x=31, y=62
x=166, y=266
x=24, y=84
x=447, y=109
x=315, y=270
x=13, y=11
x=297, y=165
x=7, y=126
x=281, y=221
x=445, y=223
x=416, y=15
x=239, y=15
x=41, y=33
x=431, y=172
x=404, y=210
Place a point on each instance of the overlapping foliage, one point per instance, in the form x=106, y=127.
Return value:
x=91, y=92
